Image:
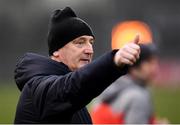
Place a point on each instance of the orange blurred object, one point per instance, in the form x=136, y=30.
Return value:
x=103, y=114
x=126, y=31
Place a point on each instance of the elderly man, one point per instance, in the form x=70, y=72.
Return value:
x=57, y=89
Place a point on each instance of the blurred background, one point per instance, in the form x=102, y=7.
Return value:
x=24, y=25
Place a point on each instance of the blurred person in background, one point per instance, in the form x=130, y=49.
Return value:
x=128, y=100
x=56, y=89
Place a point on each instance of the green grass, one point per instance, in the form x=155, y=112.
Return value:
x=9, y=95
x=166, y=103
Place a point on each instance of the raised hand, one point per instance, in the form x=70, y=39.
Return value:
x=128, y=54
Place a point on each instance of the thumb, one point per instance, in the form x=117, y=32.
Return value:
x=136, y=39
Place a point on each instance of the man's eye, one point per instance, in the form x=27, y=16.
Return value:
x=92, y=42
x=80, y=43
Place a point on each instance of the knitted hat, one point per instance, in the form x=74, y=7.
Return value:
x=64, y=27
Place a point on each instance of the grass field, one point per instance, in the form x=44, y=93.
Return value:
x=166, y=101
x=8, y=100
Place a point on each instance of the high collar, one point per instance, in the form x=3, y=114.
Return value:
x=32, y=64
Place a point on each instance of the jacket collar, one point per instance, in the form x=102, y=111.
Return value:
x=32, y=64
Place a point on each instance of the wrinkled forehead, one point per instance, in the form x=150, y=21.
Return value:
x=85, y=37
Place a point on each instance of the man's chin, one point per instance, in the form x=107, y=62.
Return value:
x=83, y=64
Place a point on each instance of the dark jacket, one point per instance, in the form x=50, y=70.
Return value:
x=51, y=93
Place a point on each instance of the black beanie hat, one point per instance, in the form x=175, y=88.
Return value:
x=64, y=27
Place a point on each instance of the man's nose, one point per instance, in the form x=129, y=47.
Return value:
x=89, y=49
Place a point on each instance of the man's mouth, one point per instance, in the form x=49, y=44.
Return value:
x=85, y=60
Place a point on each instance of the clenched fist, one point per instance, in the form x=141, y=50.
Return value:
x=128, y=54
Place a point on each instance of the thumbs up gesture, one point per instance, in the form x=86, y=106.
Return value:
x=128, y=54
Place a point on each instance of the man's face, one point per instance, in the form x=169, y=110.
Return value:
x=147, y=69
x=76, y=53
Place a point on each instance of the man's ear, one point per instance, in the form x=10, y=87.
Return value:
x=55, y=54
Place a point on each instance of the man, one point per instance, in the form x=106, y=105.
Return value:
x=57, y=89
x=128, y=99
